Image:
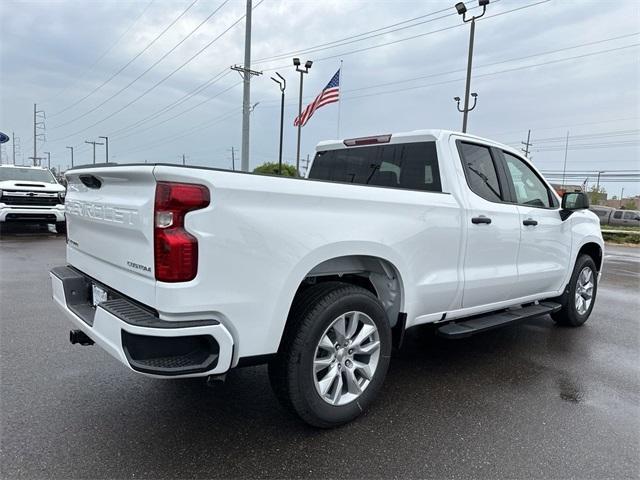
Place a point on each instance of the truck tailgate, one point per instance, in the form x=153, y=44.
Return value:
x=110, y=227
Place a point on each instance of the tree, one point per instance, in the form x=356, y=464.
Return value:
x=271, y=168
x=597, y=195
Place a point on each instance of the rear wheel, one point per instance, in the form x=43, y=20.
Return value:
x=580, y=295
x=334, y=356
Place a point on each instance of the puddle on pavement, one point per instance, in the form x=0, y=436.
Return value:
x=571, y=391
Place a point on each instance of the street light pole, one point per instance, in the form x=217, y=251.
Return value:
x=307, y=66
x=462, y=10
x=48, y=160
x=71, y=148
x=106, y=144
x=282, y=83
x=94, y=149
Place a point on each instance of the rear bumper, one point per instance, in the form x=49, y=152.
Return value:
x=32, y=214
x=137, y=337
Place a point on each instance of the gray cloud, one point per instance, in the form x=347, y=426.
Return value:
x=46, y=50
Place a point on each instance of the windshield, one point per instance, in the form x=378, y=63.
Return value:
x=26, y=174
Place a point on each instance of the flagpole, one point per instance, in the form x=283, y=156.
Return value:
x=340, y=98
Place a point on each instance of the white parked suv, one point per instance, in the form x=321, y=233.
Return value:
x=185, y=271
x=31, y=194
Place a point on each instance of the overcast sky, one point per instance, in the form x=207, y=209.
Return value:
x=551, y=67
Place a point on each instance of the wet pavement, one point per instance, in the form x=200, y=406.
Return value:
x=528, y=401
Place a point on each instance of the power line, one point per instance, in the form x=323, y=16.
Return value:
x=147, y=70
x=486, y=74
x=129, y=62
x=457, y=25
x=219, y=76
x=161, y=141
x=493, y=73
x=354, y=39
x=181, y=113
x=548, y=52
x=155, y=85
x=104, y=54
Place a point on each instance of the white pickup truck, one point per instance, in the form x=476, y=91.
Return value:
x=31, y=194
x=184, y=271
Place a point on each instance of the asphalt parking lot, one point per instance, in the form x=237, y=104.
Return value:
x=528, y=401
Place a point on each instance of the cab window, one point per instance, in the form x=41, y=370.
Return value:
x=411, y=166
x=529, y=188
x=480, y=170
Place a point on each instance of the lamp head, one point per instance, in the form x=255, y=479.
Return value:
x=457, y=99
x=308, y=64
x=296, y=62
x=474, y=94
x=483, y=3
x=461, y=8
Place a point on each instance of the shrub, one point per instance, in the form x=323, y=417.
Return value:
x=271, y=168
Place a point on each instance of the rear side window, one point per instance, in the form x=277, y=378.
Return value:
x=408, y=165
x=618, y=214
x=480, y=170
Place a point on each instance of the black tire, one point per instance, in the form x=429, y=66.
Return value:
x=291, y=372
x=61, y=227
x=569, y=315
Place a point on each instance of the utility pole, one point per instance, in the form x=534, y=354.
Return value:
x=282, y=83
x=566, y=150
x=598, y=182
x=233, y=159
x=462, y=10
x=48, y=154
x=106, y=152
x=13, y=136
x=94, y=149
x=527, y=144
x=246, y=73
x=38, y=124
x=183, y=160
x=621, y=195
x=71, y=148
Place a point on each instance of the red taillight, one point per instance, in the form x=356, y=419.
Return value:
x=175, y=249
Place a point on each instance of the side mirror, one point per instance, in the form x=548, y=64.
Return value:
x=572, y=201
x=575, y=201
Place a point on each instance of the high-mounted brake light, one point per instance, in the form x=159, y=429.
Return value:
x=175, y=249
x=356, y=142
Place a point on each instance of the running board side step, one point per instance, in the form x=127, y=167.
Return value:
x=466, y=328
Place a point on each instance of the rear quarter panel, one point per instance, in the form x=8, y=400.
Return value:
x=262, y=235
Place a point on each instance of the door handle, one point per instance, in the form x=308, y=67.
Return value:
x=529, y=222
x=481, y=219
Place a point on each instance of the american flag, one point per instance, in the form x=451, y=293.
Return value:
x=329, y=94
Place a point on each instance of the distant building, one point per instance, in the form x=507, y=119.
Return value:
x=560, y=190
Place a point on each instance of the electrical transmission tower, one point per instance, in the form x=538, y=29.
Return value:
x=16, y=147
x=39, y=129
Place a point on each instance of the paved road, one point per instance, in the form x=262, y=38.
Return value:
x=529, y=401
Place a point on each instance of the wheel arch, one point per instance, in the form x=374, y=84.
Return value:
x=594, y=250
x=373, y=266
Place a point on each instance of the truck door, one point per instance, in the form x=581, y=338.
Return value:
x=545, y=240
x=490, y=264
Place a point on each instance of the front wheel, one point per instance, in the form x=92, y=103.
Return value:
x=580, y=296
x=334, y=356
x=61, y=227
